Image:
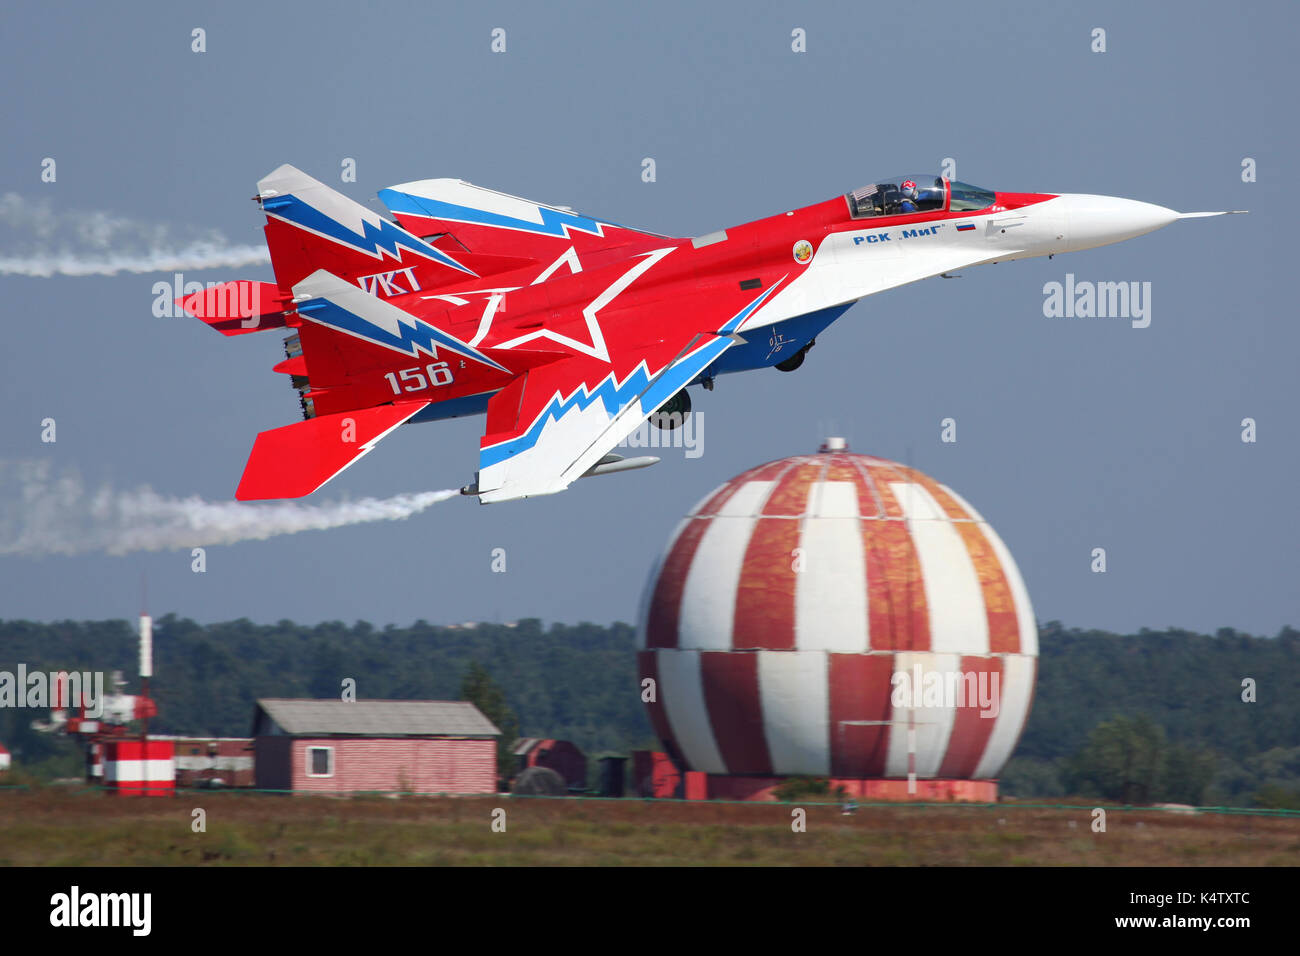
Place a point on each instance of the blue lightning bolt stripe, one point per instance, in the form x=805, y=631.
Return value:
x=613, y=394
x=386, y=236
x=419, y=335
x=616, y=395
x=554, y=222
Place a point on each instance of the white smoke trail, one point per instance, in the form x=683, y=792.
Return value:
x=200, y=255
x=38, y=240
x=42, y=514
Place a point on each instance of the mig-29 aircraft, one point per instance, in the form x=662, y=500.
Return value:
x=570, y=332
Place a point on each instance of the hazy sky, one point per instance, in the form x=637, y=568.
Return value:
x=1073, y=434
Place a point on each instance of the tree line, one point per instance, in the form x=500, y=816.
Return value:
x=1148, y=717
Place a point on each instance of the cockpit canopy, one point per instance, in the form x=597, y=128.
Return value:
x=904, y=195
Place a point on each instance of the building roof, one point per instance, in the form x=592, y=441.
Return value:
x=371, y=718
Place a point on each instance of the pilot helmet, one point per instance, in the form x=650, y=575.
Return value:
x=909, y=189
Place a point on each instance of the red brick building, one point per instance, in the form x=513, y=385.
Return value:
x=333, y=746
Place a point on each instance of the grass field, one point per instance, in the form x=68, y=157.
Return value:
x=53, y=826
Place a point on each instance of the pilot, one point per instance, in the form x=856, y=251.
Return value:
x=910, y=197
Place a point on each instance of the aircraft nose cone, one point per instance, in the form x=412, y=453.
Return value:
x=1098, y=220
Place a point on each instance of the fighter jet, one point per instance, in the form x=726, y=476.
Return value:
x=569, y=332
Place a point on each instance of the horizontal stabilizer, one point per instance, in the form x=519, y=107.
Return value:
x=297, y=459
x=292, y=366
x=234, y=308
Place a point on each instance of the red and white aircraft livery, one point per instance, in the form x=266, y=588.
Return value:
x=569, y=332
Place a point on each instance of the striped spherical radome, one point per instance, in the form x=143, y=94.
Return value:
x=837, y=615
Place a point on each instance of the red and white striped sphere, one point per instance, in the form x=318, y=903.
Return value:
x=788, y=602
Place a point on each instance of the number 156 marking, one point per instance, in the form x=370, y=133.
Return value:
x=414, y=380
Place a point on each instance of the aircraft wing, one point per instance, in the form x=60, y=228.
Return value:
x=550, y=425
x=489, y=222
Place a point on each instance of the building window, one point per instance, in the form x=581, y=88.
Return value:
x=320, y=761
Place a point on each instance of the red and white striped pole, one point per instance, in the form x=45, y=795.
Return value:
x=146, y=670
